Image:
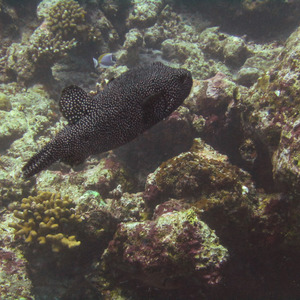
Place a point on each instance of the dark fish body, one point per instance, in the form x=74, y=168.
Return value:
x=129, y=105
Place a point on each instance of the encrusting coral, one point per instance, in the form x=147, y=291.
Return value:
x=47, y=219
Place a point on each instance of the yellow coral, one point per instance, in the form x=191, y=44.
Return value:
x=47, y=219
x=64, y=27
x=65, y=17
x=66, y=20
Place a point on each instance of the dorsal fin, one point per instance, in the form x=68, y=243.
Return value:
x=75, y=103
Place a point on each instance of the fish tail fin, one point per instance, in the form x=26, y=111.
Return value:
x=95, y=61
x=39, y=161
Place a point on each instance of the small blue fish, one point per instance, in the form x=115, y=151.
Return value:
x=105, y=60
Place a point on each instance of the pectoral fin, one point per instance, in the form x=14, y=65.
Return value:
x=75, y=103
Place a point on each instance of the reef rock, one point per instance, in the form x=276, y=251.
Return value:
x=205, y=179
x=271, y=113
x=14, y=279
x=129, y=54
x=63, y=27
x=101, y=177
x=167, y=252
x=144, y=13
x=261, y=59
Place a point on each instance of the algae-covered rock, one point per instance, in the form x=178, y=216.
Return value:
x=213, y=42
x=235, y=51
x=14, y=277
x=33, y=113
x=4, y=102
x=102, y=176
x=207, y=180
x=126, y=207
x=247, y=76
x=262, y=58
x=198, y=173
x=167, y=252
x=271, y=111
x=154, y=36
x=129, y=54
x=215, y=116
x=144, y=13
x=189, y=55
x=211, y=96
x=13, y=125
x=179, y=51
x=160, y=143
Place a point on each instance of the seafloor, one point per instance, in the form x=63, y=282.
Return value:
x=205, y=205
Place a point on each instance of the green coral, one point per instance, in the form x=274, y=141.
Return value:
x=47, y=219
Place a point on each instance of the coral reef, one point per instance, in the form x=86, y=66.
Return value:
x=47, y=219
x=4, y=102
x=133, y=41
x=65, y=19
x=14, y=279
x=190, y=210
x=144, y=13
x=271, y=113
x=205, y=179
x=63, y=28
x=32, y=112
x=167, y=251
x=101, y=177
x=200, y=171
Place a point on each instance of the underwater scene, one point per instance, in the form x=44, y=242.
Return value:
x=150, y=149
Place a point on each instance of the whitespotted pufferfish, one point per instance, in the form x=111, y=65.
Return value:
x=129, y=105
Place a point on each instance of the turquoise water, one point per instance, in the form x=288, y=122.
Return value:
x=149, y=149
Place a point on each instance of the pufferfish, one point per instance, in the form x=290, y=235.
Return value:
x=125, y=108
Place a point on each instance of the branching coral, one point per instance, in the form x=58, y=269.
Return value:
x=49, y=49
x=64, y=28
x=66, y=20
x=65, y=17
x=47, y=219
